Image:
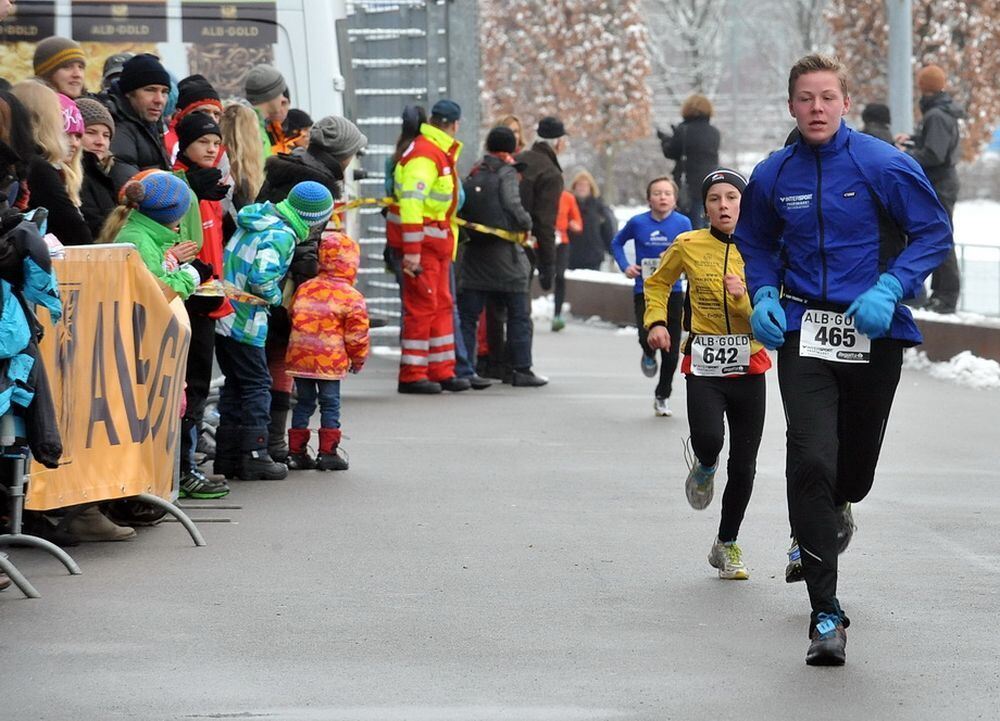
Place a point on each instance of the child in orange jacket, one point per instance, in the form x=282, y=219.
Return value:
x=329, y=338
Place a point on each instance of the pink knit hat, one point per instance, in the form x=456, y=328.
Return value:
x=72, y=119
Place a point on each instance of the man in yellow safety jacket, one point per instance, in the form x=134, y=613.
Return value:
x=426, y=190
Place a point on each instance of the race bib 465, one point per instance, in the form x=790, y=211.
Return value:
x=833, y=337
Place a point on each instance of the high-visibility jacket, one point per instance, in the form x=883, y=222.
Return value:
x=426, y=189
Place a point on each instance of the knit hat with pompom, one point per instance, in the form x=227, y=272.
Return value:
x=160, y=196
x=310, y=202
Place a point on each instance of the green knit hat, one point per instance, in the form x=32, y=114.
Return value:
x=311, y=202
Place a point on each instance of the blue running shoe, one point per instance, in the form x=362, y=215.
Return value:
x=649, y=365
x=828, y=641
x=793, y=571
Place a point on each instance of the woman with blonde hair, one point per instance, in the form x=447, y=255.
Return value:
x=54, y=172
x=694, y=145
x=241, y=140
x=589, y=247
x=514, y=123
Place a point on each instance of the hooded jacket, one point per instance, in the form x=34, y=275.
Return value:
x=824, y=222
x=135, y=142
x=153, y=240
x=329, y=318
x=937, y=144
x=99, y=194
x=490, y=263
x=255, y=261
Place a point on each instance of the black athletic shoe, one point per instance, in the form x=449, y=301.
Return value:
x=419, y=387
x=845, y=527
x=479, y=383
x=455, y=384
x=828, y=645
x=527, y=379
x=331, y=462
x=195, y=484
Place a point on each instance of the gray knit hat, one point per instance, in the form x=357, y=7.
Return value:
x=263, y=83
x=337, y=136
x=94, y=113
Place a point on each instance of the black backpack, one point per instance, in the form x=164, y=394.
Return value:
x=482, y=201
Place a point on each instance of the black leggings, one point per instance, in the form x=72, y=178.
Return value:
x=741, y=400
x=836, y=415
x=668, y=359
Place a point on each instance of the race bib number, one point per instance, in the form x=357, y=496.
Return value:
x=720, y=355
x=649, y=266
x=833, y=337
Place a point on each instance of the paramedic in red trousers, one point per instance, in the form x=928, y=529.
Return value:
x=426, y=189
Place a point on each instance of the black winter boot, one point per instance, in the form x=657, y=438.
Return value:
x=256, y=463
x=227, y=452
x=276, y=444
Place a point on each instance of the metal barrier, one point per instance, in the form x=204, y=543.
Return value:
x=979, y=266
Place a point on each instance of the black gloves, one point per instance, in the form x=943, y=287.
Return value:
x=205, y=183
x=203, y=268
x=546, y=274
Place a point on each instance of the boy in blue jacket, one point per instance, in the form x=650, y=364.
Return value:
x=255, y=262
x=651, y=234
x=836, y=229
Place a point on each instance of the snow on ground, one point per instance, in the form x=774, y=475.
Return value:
x=977, y=222
x=965, y=369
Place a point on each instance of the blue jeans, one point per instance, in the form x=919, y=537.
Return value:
x=464, y=360
x=471, y=304
x=308, y=391
x=245, y=399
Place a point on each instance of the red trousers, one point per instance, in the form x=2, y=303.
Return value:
x=428, y=331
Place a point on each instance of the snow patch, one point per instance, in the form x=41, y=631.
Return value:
x=543, y=308
x=385, y=350
x=600, y=276
x=965, y=369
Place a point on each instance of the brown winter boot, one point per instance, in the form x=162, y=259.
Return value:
x=328, y=460
x=298, y=450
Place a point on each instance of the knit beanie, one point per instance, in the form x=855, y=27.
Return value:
x=337, y=136
x=72, y=120
x=722, y=175
x=160, y=196
x=876, y=113
x=54, y=52
x=195, y=91
x=297, y=121
x=193, y=126
x=94, y=113
x=931, y=79
x=140, y=71
x=263, y=83
x=501, y=140
x=308, y=201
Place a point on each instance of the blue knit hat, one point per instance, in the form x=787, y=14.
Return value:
x=310, y=201
x=160, y=196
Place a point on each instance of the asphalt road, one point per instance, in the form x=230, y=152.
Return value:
x=528, y=554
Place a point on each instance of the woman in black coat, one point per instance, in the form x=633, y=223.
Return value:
x=695, y=148
x=103, y=176
x=589, y=247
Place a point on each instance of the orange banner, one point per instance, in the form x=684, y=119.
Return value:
x=116, y=363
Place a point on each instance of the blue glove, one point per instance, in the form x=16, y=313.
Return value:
x=873, y=310
x=768, y=318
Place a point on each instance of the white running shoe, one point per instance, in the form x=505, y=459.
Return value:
x=661, y=406
x=728, y=558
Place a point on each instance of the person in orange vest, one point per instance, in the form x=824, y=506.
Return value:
x=427, y=194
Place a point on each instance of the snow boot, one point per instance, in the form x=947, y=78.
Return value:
x=256, y=463
x=276, y=446
x=298, y=450
x=328, y=459
x=227, y=453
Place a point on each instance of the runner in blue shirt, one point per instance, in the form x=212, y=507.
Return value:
x=652, y=233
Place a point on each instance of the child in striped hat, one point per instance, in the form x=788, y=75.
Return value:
x=256, y=261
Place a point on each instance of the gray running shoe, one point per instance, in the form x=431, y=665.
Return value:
x=793, y=571
x=845, y=527
x=728, y=558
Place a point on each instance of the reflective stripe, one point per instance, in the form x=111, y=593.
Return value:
x=412, y=195
x=413, y=236
x=392, y=218
x=432, y=232
x=416, y=344
x=442, y=340
x=443, y=197
x=413, y=360
x=441, y=357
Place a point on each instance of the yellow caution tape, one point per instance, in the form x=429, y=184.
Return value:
x=508, y=235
